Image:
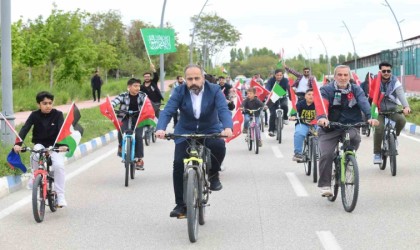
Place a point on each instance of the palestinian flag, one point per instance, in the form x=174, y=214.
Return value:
x=147, y=115
x=71, y=132
x=377, y=96
x=260, y=91
x=108, y=111
x=276, y=93
x=293, y=99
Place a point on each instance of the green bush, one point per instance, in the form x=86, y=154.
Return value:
x=414, y=117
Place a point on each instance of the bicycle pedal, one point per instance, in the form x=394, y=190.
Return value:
x=182, y=216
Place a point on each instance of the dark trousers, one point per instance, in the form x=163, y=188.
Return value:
x=265, y=117
x=138, y=150
x=273, y=116
x=156, y=108
x=379, y=130
x=98, y=91
x=327, y=142
x=218, y=152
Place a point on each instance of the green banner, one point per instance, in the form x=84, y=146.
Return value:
x=159, y=41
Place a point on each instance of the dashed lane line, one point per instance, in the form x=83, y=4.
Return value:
x=328, y=240
x=296, y=184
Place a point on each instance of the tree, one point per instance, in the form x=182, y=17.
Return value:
x=214, y=33
x=247, y=53
x=334, y=61
x=341, y=59
x=350, y=56
x=241, y=56
x=233, y=55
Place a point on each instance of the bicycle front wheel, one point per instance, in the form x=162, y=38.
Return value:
x=255, y=139
x=350, y=184
x=392, y=155
x=335, y=180
x=279, y=128
x=249, y=139
x=147, y=137
x=153, y=136
x=306, y=159
x=384, y=152
x=127, y=159
x=38, y=199
x=192, y=204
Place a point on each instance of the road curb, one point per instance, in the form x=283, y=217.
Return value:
x=13, y=183
x=412, y=128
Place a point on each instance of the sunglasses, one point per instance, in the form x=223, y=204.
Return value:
x=386, y=71
x=306, y=71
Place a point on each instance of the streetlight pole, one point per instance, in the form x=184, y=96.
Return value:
x=7, y=136
x=307, y=56
x=402, y=44
x=162, y=59
x=354, y=48
x=326, y=53
x=193, y=33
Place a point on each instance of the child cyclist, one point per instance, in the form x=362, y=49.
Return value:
x=46, y=122
x=304, y=117
x=251, y=102
x=131, y=100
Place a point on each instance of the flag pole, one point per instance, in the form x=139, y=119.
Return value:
x=11, y=127
x=147, y=52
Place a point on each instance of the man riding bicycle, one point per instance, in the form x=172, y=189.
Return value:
x=303, y=81
x=391, y=94
x=343, y=102
x=203, y=110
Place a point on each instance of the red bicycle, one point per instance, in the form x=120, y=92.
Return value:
x=43, y=185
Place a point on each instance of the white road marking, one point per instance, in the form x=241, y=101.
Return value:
x=297, y=186
x=410, y=137
x=24, y=201
x=328, y=240
x=277, y=152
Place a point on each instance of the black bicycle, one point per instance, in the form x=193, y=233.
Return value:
x=149, y=134
x=279, y=123
x=389, y=140
x=196, y=183
x=311, y=153
x=345, y=173
x=128, y=146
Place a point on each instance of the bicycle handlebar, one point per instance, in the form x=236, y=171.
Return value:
x=347, y=126
x=42, y=150
x=386, y=113
x=194, y=136
x=127, y=112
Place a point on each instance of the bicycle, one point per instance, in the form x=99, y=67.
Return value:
x=128, y=146
x=149, y=134
x=43, y=185
x=196, y=183
x=389, y=147
x=345, y=173
x=279, y=123
x=253, y=136
x=262, y=121
x=311, y=153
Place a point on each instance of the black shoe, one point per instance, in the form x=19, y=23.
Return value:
x=119, y=152
x=179, y=211
x=271, y=133
x=215, y=184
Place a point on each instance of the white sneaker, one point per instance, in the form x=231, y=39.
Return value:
x=222, y=168
x=326, y=191
x=61, y=201
x=286, y=122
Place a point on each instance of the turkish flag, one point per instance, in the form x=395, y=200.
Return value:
x=238, y=120
x=261, y=92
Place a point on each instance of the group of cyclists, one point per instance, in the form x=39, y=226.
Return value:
x=199, y=106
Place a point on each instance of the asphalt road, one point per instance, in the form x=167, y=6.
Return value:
x=267, y=203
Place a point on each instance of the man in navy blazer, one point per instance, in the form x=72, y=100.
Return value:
x=203, y=110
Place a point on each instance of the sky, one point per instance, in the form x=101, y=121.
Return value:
x=295, y=26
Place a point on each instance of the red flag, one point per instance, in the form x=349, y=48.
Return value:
x=18, y=139
x=239, y=99
x=321, y=105
x=261, y=92
x=108, y=111
x=356, y=78
x=238, y=120
x=147, y=115
x=376, y=96
x=291, y=82
x=371, y=87
x=294, y=101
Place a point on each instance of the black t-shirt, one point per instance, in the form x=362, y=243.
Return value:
x=306, y=112
x=134, y=105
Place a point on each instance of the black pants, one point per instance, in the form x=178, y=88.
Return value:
x=283, y=105
x=218, y=152
x=139, y=149
x=94, y=91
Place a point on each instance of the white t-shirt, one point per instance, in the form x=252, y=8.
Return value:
x=196, y=102
x=303, y=85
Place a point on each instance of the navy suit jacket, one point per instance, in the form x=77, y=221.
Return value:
x=214, y=117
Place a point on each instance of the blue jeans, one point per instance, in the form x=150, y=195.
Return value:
x=301, y=130
x=247, y=118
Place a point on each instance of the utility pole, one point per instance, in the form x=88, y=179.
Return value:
x=326, y=53
x=162, y=59
x=7, y=136
x=354, y=48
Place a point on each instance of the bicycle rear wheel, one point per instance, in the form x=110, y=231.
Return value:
x=51, y=195
x=350, y=184
x=262, y=122
x=384, y=152
x=192, y=205
x=127, y=159
x=314, y=157
x=335, y=180
x=147, y=137
x=279, y=128
x=392, y=155
x=38, y=200
x=153, y=136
